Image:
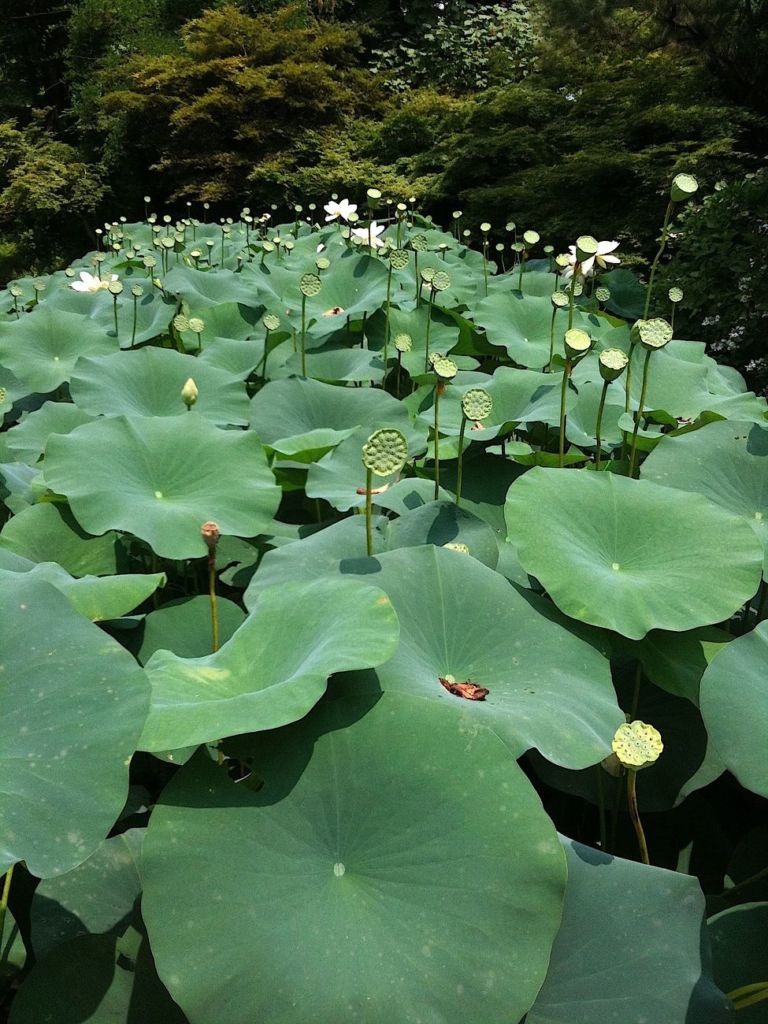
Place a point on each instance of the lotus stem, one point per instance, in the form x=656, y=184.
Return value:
x=672, y=317
x=628, y=381
x=386, y=323
x=418, y=279
x=638, y=414
x=552, y=339
x=758, y=876
x=598, y=427
x=4, y=900
x=438, y=388
x=520, y=275
x=634, y=814
x=399, y=372
x=460, y=469
x=485, y=264
x=572, y=297
x=659, y=254
x=135, y=316
x=263, y=373
x=601, y=807
x=563, y=400
x=429, y=327
x=114, y=310
x=750, y=994
x=369, y=512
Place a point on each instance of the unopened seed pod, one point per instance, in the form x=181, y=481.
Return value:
x=612, y=363
x=586, y=247
x=684, y=186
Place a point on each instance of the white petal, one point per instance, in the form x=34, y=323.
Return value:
x=586, y=266
x=606, y=247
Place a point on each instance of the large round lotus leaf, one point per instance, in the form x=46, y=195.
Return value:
x=95, y=597
x=355, y=282
x=96, y=979
x=49, y=533
x=521, y=396
x=28, y=438
x=739, y=954
x=201, y=288
x=161, y=479
x=42, y=348
x=581, y=422
x=435, y=901
x=677, y=661
x=441, y=523
x=94, y=898
x=307, y=418
x=734, y=704
x=17, y=485
x=727, y=462
x=230, y=321
x=237, y=358
x=333, y=364
x=74, y=703
x=627, y=293
x=184, y=627
x=628, y=554
x=521, y=325
x=443, y=334
x=628, y=948
x=148, y=382
x=275, y=667
x=463, y=283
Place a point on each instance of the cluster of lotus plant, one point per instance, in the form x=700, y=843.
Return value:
x=382, y=616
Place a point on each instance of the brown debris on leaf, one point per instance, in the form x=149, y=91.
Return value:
x=468, y=690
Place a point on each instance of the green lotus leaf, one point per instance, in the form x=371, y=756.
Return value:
x=201, y=288
x=438, y=901
x=332, y=363
x=161, y=479
x=184, y=627
x=443, y=333
x=148, y=382
x=64, y=783
x=734, y=705
x=631, y=555
x=677, y=661
x=27, y=439
x=727, y=462
x=42, y=348
x=94, y=898
x=356, y=282
x=18, y=485
x=274, y=669
x=442, y=523
x=49, y=533
x=101, y=979
x=609, y=955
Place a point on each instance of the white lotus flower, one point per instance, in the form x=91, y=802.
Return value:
x=342, y=209
x=91, y=283
x=602, y=258
x=370, y=235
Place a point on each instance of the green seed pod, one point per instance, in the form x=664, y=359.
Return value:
x=559, y=300
x=476, y=404
x=181, y=323
x=137, y=291
x=310, y=285
x=637, y=745
x=441, y=281
x=385, y=452
x=427, y=274
x=485, y=227
x=373, y=194
x=562, y=260
x=399, y=259
x=456, y=214
x=271, y=322
x=578, y=288
x=531, y=238
x=675, y=295
x=586, y=247
x=403, y=343
x=612, y=363
x=15, y=291
x=149, y=262
x=266, y=245
x=445, y=368
x=652, y=334
x=167, y=242
x=510, y=226
x=602, y=294
x=419, y=243
x=322, y=263
x=684, y=186
x=40, y=286
x=196, y=325
x=518, y=246
x=577, y=343
x=115, y=287
x=549, y=249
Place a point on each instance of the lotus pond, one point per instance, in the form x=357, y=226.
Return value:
x=383, y=633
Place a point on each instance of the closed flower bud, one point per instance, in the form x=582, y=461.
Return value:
x=189, y=393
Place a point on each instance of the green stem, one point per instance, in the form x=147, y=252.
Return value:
x=213, y=602
x=114, y=310
x=601, y=807
x=638, y=414
x=135, y=315
x=4, y=900
x=429, y=329
x=659, y=254
x=745, y=883
x=552, y=339
x=598, y=427
x=572, y=298
x=386, y=324
x=485, y=265
x=461, y=459
x=369, y=512
x=628, y=380
x=263, y=373
x=303, y=336
x=437, y=440
x=520, y=275
x=418, y=279
x=563, y=399
x=758, y=995
x=634, y=814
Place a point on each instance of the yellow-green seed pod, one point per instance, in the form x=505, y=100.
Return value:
x=652, y=334
x=559, y=300
x=310, y=285
x=684, y=186
x=577, y=343
x=675, y=295
x=385, y=452
x=476, y=404
x=637, y=745
x=586, y=247
x=403, y=343
x=445, y=368
x=612, y=363
x=270, y=321
x=531, y=238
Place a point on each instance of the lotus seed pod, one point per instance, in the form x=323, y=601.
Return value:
x=612, y=363
x=549, y=249
x=115, y=287
x=427, y=274
x=652, y=334
x=445, y=368
x=510, y=226
x=637, y=745
x=322, y=263
x=3, y=394
x=181, y=323
x=518, y=246
x=441, y=281
x=196, y=325
x=562, y=260
x=271, y=322
x=476, y=404
x=456, y=214
x=288, y=245
x=402, y=208
x=499, y=247
x=70, y=272
x=578, y=288
x=99, y=257
x=675, y=295
x=15, y=291
x=149, y=262
x=310, y=285
x=577, y=343
x=485, y=227
x=40, y=286
x=531, y=237
x=684, y=186
x=210, y=533
x=586, y=248
x=399, y=259
x=147, y=199
x=602, y=294
x=559, y=300
x=167, y=242
x=189, y=393
x=373, y=194
x=385, y=452
x=419, y=243
x=137, y=291
x=403, y=343
x=453, y=546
